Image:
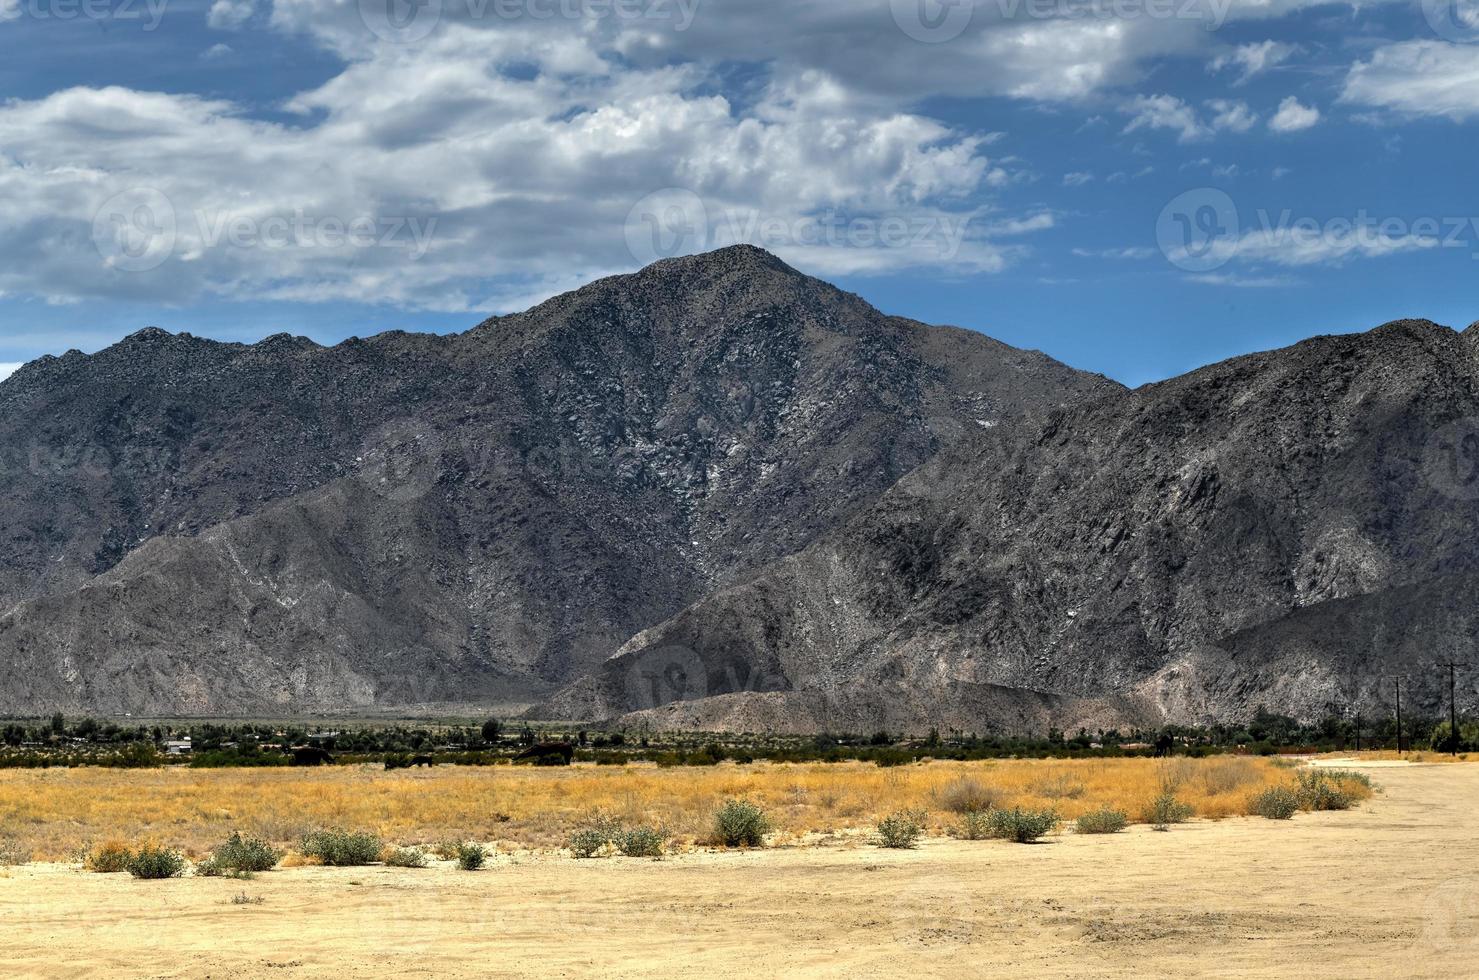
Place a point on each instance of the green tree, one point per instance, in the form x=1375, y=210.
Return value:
x=491, y=730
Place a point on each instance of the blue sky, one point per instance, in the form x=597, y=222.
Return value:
x=1137, y=187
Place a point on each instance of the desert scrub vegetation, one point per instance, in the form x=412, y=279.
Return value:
x=901, y=830
x=238, y=857
x=1332, y=789
x=1102, y=821
x=1277, y=803
x=974, y=825
x=341, y=848
x=55, y=813
x=13, y=853
x=1165, y=810
x=109, y=858
x=741, y=823
x=404, y=857
x=640, y=842
x=1021, y=826
x=151, y=861
x=471, y=857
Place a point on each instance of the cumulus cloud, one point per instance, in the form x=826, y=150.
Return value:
x=1293, y=117
x=1233, y=116
x=229, y=15
x=7, y=369
x=1171, y=113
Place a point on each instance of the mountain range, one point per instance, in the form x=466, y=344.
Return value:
x=720, y=494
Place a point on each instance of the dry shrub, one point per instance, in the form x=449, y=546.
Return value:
x=966, y=795
x=109, y=858
x=57, y=812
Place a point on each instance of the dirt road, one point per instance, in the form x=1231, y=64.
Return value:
x=1391, y=889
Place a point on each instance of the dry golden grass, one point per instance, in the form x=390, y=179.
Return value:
x=61, y=814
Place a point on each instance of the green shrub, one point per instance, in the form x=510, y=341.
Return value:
x=343, y=849
x=1165, y=810
x=110, y=858
x=405, y=857
x=1022, y=826
x=471, y=857
x=239, y=856
x=740, y=823
x=1322, y=789
x=592, y=838
x=974, y=825
x=901, y=830
x=1102, y=821
x=640, y=842
x=1276, y=803
x=156, y=862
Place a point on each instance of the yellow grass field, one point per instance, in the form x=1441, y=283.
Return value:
x=59, y=814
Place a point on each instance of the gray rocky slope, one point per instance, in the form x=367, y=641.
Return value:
x=1288, y=529
x=194, y=527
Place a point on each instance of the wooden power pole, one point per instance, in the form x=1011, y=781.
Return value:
x=1452, y=706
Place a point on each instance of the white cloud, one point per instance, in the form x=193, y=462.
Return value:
x=1235, y=117
x=1165, y=112
x=1243, y=282
x=1129, y=252
x=229, y=15
x=7, y=369
x=1077, y=179
x=1251, y=59
x=1418, y=78
x=1293, y=117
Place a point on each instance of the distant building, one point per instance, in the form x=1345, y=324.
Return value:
x=177, y=747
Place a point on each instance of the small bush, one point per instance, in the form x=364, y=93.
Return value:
x=1323, y=789
x=966, y=795
x=1165, y=810
x=1061, y=788
x=1102, y=821
x=1022, y=826
x=1277, y=803
x=592, y=838
x=740, y=823
x=245, y=855
x=342, y=849
x=471, y=857
x=974, y=825
x=640, y=842
x=112, y=857
x=901, y=830
x=12, y=853
x=156, y=862
x=405, y=857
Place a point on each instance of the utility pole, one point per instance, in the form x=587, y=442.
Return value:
x=1452, y=708
x=1398, y=679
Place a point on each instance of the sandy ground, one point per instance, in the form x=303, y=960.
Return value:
x=1391, y=889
